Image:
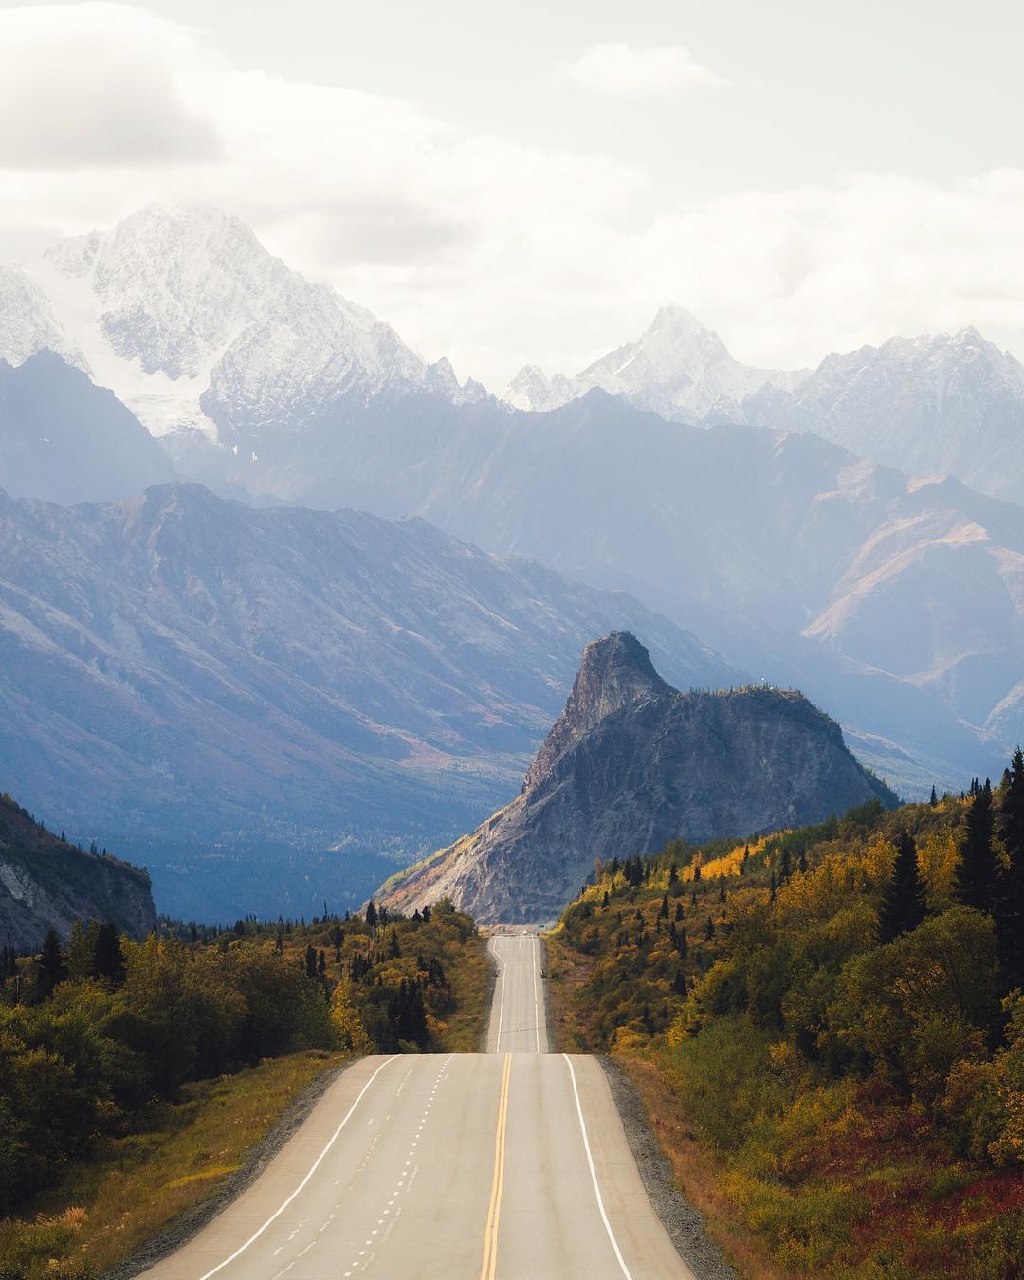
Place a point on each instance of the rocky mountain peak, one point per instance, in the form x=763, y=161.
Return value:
x=615, y=672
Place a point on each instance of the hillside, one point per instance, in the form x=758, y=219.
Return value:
x=47, y=883
x=632, y=763
x=271, y=704
x=828, y=1024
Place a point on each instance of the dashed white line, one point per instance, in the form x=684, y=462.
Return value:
x=312, y=1169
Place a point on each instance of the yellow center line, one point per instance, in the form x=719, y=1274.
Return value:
x=498, y=1182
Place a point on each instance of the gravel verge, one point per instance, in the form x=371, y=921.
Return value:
x=180, y=1230
x=684, y=1224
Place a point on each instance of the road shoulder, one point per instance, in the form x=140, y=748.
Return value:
x=683, y=1223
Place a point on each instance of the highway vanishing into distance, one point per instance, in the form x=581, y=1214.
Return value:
x=511, y=1164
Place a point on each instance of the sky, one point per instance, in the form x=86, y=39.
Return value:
x=528, y=183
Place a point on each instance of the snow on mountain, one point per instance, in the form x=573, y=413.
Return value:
x=194, y=325
x=27, y=322
x=952, y=404
x=678, y=368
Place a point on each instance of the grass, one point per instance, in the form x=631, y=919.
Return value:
x=465, y=1028
x=698, y=1175
x=108, y=1208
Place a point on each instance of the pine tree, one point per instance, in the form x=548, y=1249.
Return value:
x=1009, y=898
x=976, y=874
x=52, y=968
x=903, y=903
x=109, y=963
x=371, y=915
x=933, y=799
x=663, y=912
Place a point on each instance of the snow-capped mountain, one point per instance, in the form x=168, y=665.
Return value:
x=194, y=325
x=27, y=322
x=952, y=404
x=678, y=368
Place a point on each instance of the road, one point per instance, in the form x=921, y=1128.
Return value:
x=509, y=1165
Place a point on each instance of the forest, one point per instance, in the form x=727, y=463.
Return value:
x=836, y=1017
x=96, y=1035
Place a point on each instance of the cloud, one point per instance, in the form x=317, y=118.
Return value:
x=72, y=97
x=622, y=71
x=498, y=252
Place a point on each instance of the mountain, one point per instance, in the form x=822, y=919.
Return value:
x=631, y=764
x=196, y=327
x=62, y=439
x=677, y=368
x=47, y=883
x=268, y=704
x=793, y=558
x=952, y=404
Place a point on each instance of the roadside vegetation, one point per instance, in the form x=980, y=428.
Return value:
x=127, y=1067
x=828, y=1026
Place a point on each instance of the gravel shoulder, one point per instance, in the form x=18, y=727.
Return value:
x=684, y=1224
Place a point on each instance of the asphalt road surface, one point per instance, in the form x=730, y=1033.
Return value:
x=510, y=1165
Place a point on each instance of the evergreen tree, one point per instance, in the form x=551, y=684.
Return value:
x=1009, y=900
x=663, y=912
x=933, y=799
x=976, y=874
x=903, y=904
x=109, y=963
x=371, y=915
x=51, y=967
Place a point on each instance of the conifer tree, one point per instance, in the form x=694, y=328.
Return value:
x=903, y=903
x=52, y=968
x=1009, y=897
x=933, y=799
x=976, y=874
x=109, y=962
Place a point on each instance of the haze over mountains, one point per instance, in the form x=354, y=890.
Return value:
x=893, y=602
x=212, y=685
x=950, y=403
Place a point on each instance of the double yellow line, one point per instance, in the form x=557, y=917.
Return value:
x=498, y=1182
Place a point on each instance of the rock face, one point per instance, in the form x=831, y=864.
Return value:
x=46, y=883
x=630, y=764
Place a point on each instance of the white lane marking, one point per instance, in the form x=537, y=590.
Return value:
x=501, y=1002
x=313, y=1168
x=593, y=1174
x=405, y=1081
x=536, y=990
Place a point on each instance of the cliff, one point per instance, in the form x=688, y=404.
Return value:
x=630, y=764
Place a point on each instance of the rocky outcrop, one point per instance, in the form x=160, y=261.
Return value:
x=632, y=763
x=46, y=883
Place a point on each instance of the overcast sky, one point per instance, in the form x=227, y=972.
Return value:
x=529, y=182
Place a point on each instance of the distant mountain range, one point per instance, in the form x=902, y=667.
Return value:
x=951, y=404
x=631, y=764
x=892, y=601
x=208, y=687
